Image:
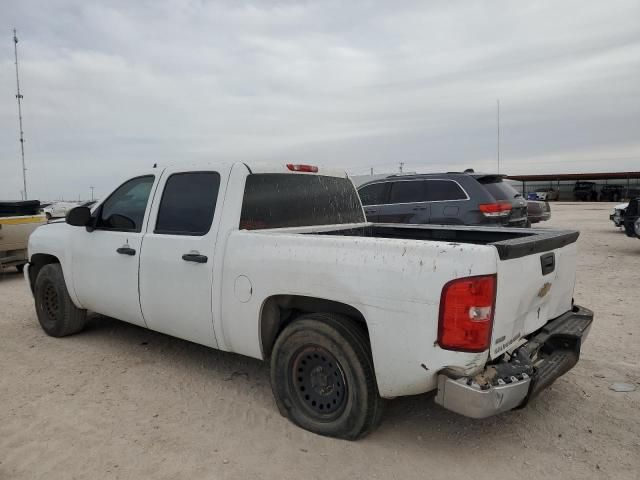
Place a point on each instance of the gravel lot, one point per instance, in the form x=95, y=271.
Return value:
x=118, y=401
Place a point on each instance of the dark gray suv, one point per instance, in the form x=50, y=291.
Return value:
x=445, y=199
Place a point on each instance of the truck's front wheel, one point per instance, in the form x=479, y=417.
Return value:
x=57, y=314
x=323, y=379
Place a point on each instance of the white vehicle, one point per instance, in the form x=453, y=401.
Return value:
x=17, y=221
x=58, y=209
x=617, y=217
x=278, y=263
x=547, y=194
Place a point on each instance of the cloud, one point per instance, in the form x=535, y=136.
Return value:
x=117, y=86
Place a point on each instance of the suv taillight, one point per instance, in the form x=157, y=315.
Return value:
x=466, y=313
x=498, y=209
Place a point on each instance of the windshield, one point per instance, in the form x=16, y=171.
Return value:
x=279, y=200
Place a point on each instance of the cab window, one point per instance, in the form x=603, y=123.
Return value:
x=124, y=209
x=188, y=203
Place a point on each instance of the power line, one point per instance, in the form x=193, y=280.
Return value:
x=498, y=127
x=19, y=97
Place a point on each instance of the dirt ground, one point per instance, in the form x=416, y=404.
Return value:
x=118, y=401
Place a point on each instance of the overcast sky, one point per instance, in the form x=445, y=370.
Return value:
x=113, y=87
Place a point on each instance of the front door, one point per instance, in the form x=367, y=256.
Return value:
x=176, y=266
x=373, y=196
x=105, y=261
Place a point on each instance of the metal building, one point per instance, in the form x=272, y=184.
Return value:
x=620, y=185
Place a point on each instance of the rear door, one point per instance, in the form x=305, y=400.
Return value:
x=407, y=203
x=176, y=264
x=373, y=196
x=447, y=201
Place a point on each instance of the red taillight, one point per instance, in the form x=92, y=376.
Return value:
x=498, y=209
x=295, y=167
x=466, y=314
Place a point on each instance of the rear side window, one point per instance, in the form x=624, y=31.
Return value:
x=279, y=200
x=374, y=194
x=442, y=190
x=124, y=209
x=408, y=191
x=188, y=203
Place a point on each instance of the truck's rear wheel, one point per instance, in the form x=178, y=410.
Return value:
x=323, y=379
x=57, y=314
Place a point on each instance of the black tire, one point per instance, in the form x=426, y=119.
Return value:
x=48, y=215
x=57, y=314
x=20, y=267
x=323, y=379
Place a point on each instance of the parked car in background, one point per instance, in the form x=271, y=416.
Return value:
x=617, y=217
x=612, y=193
x=452, y=198
x=632, y=218
x=17, y=221
x=585, y=191
x=278, y=263
x=538, y=211
x=546, y=194
x=59, y=209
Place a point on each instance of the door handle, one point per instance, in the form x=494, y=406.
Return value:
x=126, y=250
x=370, y=212
x=195, y=257
x=419, y=208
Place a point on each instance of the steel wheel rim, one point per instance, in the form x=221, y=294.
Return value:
x=319, y=382
x=50, y=301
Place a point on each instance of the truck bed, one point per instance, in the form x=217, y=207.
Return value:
x=510, y=242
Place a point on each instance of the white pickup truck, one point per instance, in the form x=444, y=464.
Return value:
x=278, y=263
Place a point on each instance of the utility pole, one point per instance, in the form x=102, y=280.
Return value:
x=91, y=193
x=19, y=97
x=372, y=171
x=401, y=166
x=498, y=127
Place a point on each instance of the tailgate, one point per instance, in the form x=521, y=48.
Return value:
x=536, y=277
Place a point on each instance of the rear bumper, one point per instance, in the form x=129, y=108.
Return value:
x=12, y=258
x=548, y=354
x=543, y=217
x=616, y=219
x=518, y=222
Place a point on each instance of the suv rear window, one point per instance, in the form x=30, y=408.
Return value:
x=498, y=189
x=279, y=200
x=408, y=191
x=414, y=191
x=442, y=190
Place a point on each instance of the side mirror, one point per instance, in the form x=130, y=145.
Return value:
x=78, y=216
